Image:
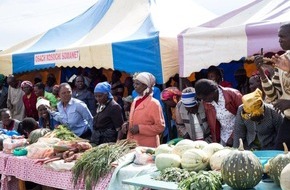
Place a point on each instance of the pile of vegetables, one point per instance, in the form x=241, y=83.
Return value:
x=68, y=151
x=239, y=168
x=205, y=180
x=97, y=161
x=186, y=163
x=63, y=133
x=277, y=164
x=173, y=175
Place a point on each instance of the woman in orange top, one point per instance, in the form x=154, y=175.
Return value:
x=146, y=120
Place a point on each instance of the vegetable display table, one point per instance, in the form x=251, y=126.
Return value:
x=23, y=168
x=147, y=181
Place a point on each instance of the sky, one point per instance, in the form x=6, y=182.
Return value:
x=21, y=20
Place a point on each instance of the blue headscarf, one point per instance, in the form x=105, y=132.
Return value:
x=105, y=88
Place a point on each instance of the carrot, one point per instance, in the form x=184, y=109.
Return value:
x=65, y=154
x=70, y=159
x=70, y=153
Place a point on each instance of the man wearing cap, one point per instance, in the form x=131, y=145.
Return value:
x=257, y=123
x=3, y=92
x=190, y=117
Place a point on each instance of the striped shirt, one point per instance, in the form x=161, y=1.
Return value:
x=279, y=86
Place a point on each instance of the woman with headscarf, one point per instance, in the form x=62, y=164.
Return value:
x=170, y=97
x=29, y=100
x=109, y=117
x=146, y=120
x=257, y=123
x=46, y=119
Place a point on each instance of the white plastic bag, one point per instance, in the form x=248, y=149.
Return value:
x=141, y=157
x=9, y=144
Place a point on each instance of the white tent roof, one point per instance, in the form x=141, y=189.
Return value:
x=239, y=33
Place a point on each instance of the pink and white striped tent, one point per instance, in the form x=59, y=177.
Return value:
x=239, y=33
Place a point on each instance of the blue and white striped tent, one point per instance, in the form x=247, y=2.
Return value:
x=127, y=35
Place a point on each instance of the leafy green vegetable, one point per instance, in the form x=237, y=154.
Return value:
x=97, y=162
x=173, y=175
x=205, y=180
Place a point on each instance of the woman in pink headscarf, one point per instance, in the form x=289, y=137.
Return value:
x=146, y=120
x=29, y=100
x=171, y=96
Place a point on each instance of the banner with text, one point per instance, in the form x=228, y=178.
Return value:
x=60, y=57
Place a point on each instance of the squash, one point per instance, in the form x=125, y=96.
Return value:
x=284, y=178
x=163, y=148
x=183, y=146
x=217, y=158
x=194, y=160
x=277, y=164
x=200, y=144
x=36, y=134
x=165, y=160
x=211, y=148
x=241, y=169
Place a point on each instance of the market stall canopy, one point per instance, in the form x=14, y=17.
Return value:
x=126, y=35
x=242, y=32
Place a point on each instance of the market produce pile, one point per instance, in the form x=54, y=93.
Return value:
x=207, y=166
x=62, y=150
x=99, y=160
x=63, y=133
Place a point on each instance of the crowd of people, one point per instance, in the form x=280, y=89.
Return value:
x=100, y=115
x=257, y=110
